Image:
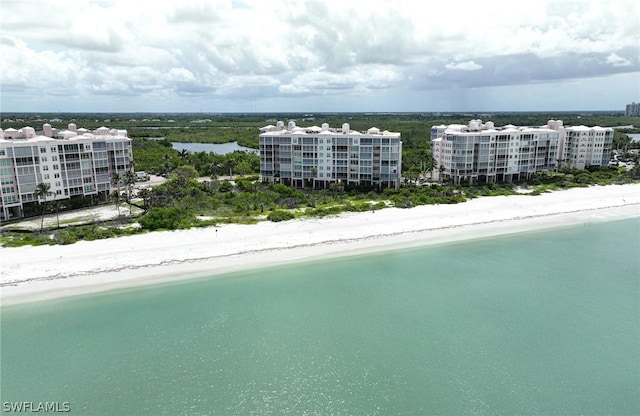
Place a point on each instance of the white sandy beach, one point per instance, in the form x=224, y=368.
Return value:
x=44, y=272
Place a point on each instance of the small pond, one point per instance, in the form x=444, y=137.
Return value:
x=635, y=137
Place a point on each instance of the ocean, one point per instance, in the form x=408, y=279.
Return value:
x=544, y=322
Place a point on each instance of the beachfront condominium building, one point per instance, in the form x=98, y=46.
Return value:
x=480, y=152
x=632, y=110
x=582, y=147
x=319, y=156
x=74, y=162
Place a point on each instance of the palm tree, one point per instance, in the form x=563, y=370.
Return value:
x=144, y=194
x=42, y=191
x=166, y=165
x=441, y=169
x=56, y=205
x=129, y=180
x=216, y=169
x=117, y=180
x=314, y=173
x=229, y=164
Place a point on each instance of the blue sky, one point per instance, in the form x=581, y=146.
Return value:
x=346, y=55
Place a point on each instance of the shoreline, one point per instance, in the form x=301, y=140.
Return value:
x=38, y=273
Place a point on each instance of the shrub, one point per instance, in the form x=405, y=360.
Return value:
x=404, y=204
x=280, y=215
x=289, y=202
x=322, y=212
x=167, y=218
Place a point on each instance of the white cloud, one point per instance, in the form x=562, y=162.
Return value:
x=616, y=60
x=181, y=75
x=221, y=48
x=364, y=80
x=464, y=66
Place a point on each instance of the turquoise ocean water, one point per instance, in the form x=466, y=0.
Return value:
x=536, y=323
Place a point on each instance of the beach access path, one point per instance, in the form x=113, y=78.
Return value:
x=42, y=272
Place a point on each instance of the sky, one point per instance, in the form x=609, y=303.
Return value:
x=318, y=56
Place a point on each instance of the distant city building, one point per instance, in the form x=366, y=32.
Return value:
x=319, y=156
x=632, y=110
x=74, y=162
x=482, y=153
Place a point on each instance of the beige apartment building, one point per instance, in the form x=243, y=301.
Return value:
x=483, y=153
x=319, y=156
x=74, y=162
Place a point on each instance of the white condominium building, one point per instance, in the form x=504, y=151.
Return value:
x=581, y=147
x=318, y=156
x=484, y=153
x=74, y=162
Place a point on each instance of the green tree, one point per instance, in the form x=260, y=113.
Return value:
x=56, y=206
x=144, y=193
x=184, y=172
x=167, y=164
x=42, y=192
x=116, y=180
x=441, y=169
x=129, y=180
x=413, y=174
x=314, y=173
x=184, y=154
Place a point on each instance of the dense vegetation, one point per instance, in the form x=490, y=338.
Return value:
x=183, y=202
x=158, y=157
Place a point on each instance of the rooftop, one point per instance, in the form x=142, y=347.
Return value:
x=291, y=129
x=28, y=134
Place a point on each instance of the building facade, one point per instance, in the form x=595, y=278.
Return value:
x=319, y=156
x=581, y=147
x=479, y=152
x=74, y=162
x=482, y=153
x=632, y=110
